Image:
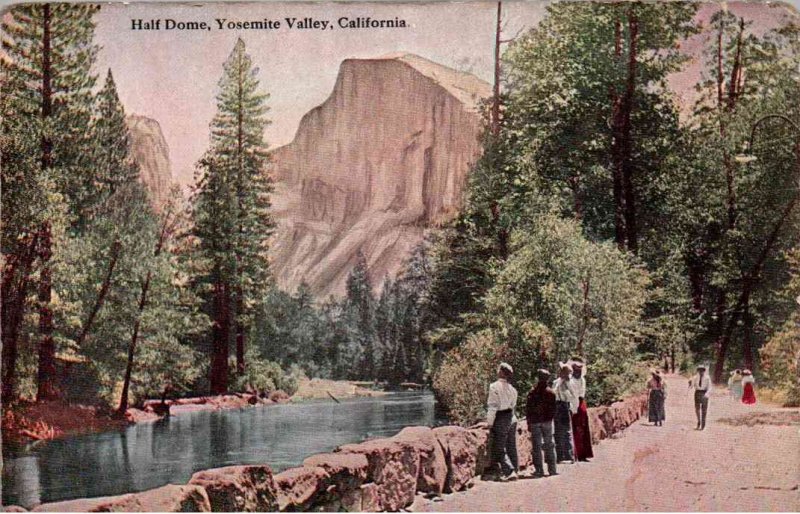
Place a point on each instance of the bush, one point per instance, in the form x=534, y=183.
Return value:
x=265, y=377
x=780, y=359
x=462, y=381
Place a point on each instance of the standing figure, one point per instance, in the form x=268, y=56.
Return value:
x=580, y=417
x=735, y=385
x=566, y=405
x=501, y=417
x=700, y=383
x=748, y=385
x=657, y=390
x=540, y=409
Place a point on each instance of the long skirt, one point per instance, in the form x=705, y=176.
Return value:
x=655, y=410
x=749, y=396
x=581, y=434
x=736, y=390
x=562, y=431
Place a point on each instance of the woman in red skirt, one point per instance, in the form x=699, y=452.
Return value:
x=580, y=419
x=748, y=383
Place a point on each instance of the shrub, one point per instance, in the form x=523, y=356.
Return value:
x=265, y=377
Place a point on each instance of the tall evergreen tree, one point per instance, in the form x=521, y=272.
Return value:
x=47, y=102
x=232, y=218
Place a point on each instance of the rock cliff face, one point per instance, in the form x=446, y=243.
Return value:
x=149, y=150
x=384, y=158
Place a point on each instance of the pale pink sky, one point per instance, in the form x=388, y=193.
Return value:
x=172, y=76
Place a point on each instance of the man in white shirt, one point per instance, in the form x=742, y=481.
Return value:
x=702, y=386
x=500, y=415
x=566, y=405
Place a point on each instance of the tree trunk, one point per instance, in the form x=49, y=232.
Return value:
x=627, y=136
x=495, y=114
x=101, y=296
x=747, y=340
x=616, y=150
x=221, y=338
x=672, y=358
x=14, y=299
x=240, y=363
x=123, y=401
x=46, y=378
x=749, y=281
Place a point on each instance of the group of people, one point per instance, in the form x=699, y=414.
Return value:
x=557, y=418
x=741, y=386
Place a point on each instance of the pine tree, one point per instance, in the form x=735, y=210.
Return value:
x=232, y=217
x=111, y=141
x=47, y=105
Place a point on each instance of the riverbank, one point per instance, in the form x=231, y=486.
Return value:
x=28, y=421
x=383, y=474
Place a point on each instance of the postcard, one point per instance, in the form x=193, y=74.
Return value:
x=444, y=256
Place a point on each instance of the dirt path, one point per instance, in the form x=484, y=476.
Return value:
x=749, y=464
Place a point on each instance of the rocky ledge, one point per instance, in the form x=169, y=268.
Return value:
x=376, y=475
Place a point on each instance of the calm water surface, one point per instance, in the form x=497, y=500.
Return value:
x=150, y=455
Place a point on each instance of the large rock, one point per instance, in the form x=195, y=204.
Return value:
x=150, y=152
x=238, y=488
x=433, y=466
x=170, y=498
x=344, y=472
x=393, y=466
x=382, y=160
x=466, y=453
x=299, y=488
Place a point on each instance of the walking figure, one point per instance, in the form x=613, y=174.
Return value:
x=501, y=417
x=701, y=385
x=540, y=409
x=748, y=385
x=582, y=437
x=657, y=388
x=735, y=385
x=566, y=405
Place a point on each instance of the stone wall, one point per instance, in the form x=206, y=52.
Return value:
x=376, y=475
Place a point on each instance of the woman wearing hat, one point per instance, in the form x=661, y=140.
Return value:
x=735, y=385
x=748, y=387
x=657, y=389
x=582, y=437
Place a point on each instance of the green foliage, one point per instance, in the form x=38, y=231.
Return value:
x=265, y=376
x=231, y=212
x=780, y=355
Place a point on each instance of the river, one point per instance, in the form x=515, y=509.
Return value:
x=149, y=455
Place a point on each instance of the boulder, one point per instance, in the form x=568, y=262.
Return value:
x=299, y=488
x=370, y=498
x=238, y=488
x=169, y=498
x=432, y=466
x=344, y=472
x=596, y=426
x=466, y=453
x=393, y=466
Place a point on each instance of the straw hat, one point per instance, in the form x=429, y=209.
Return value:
x=747, y=372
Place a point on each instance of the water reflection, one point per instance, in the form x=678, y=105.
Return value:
x=168, y=451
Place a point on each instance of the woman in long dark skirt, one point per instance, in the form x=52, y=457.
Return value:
x=658, y=394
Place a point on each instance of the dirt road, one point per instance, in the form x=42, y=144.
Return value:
x=747, y=459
